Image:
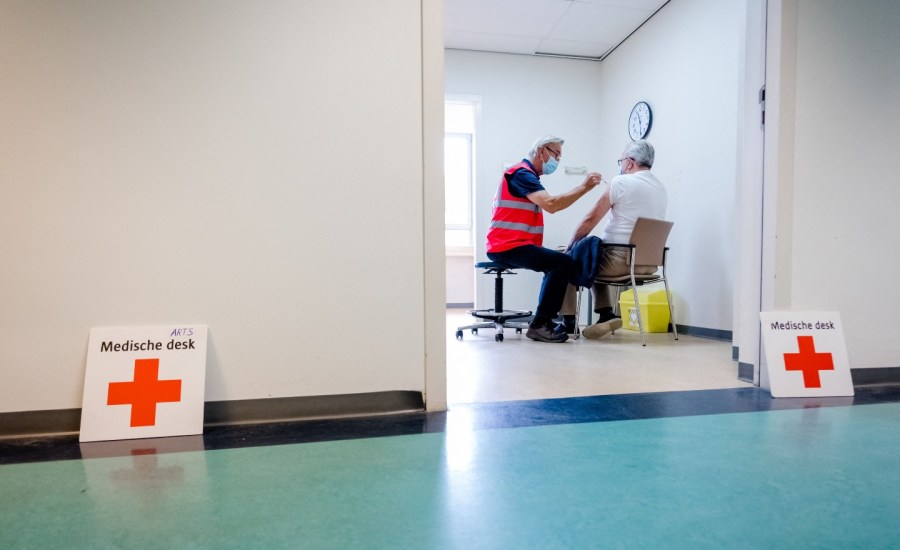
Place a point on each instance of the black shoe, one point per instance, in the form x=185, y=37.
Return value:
x=546, y=334
x=568, y=324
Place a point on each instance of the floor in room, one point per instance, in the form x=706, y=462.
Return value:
x=481, y=370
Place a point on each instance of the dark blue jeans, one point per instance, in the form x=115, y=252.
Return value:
x=557, y=268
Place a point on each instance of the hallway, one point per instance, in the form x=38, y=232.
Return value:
x=710, y=469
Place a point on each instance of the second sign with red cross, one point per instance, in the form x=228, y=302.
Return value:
x=806, y=354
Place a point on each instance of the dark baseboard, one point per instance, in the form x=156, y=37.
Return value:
x=882, y=376
x=701, y=332
x=57, y=421
x=319, y=406
x=735, y=353
x=461, y=305
x=19, y=424
x=745, y=372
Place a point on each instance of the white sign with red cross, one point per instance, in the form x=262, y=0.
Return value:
x=144, y=382
x=806, y=354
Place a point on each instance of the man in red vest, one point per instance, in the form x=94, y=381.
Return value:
x=516, y=232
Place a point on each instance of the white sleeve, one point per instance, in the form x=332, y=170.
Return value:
x=615, y=191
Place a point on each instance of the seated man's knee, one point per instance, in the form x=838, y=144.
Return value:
x=567, y=262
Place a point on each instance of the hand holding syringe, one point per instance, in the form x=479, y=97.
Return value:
x=593, y=180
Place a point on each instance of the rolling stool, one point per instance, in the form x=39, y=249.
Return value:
x=499, y=317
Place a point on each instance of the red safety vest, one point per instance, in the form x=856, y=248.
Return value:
x=514, y=221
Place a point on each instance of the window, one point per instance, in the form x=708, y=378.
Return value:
x=459, y=171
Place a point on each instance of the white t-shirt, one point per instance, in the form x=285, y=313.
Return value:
x=633, y=196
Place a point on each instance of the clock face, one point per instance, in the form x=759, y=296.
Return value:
x=640, y=120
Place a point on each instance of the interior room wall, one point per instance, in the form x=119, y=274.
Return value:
x=217, y=162
x=460, y=277
x=523, y=98
x=841, y=193
x=684, y=63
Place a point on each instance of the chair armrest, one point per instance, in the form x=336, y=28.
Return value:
x=618, y=245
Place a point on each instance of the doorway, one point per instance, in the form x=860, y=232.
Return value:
x=527, y=370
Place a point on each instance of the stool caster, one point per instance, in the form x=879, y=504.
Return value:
x=496, y=318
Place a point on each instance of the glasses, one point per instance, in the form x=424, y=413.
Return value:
x=556, y=154
x=624, y=159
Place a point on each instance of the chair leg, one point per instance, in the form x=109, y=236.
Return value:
x=578, y=314
x=671, y=308
x=637, y=307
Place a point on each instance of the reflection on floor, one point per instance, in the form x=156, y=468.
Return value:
x=481, y=370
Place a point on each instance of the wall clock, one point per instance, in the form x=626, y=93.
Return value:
x=640, y=120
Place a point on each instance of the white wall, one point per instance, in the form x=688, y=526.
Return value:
x=460, y=277
x=684, y=62
x=838, y=195
x=252, y=166
x=523, y=98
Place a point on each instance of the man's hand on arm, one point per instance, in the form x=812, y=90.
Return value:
x=552, y=204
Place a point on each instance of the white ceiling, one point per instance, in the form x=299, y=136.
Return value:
x=569, y=28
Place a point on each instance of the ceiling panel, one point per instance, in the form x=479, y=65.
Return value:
x=584, y=21
x=505, y=17
x=572, y=28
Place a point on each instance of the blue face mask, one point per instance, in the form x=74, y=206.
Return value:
x=550, y=165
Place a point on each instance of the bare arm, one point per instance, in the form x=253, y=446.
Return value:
x=555, y=203
x=592, y=218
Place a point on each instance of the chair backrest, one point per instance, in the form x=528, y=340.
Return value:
x=649, y=237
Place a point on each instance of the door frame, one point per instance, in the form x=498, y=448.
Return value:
x=759, y=159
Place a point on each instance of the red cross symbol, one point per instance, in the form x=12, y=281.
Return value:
x=144, y=393
x=808, y=361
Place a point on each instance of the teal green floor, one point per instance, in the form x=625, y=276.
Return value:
x=808, y=478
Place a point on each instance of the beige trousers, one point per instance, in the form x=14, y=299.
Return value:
x=613, y=264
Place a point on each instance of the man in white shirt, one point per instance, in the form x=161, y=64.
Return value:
x=634, y=193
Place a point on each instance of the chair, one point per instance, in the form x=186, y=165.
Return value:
x=499, y=317
x=647, y=249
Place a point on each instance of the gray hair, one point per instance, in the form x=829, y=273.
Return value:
x=541, y=141
x=641, y=151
